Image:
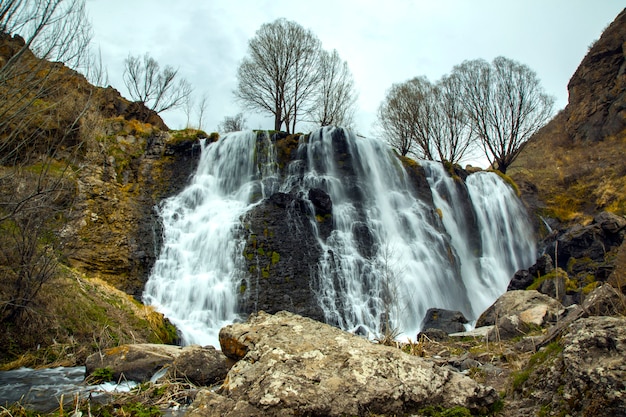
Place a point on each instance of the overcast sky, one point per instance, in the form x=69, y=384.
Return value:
x=384, y=41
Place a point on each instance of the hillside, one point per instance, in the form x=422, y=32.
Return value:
x=81, y=169
x=575, y=166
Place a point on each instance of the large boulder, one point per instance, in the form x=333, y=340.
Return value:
x=582, y=374
x=291, y=365
x=201, y=366
x=516, y=312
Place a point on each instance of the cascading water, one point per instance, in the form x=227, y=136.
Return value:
x=390, y=255
x=488, y=228
x=194, y=281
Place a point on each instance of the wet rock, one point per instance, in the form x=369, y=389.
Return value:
x=446, y=320
x=321, y=201
x=202, y=366
x=291, y=365
x=199, y=365
x=133, y=362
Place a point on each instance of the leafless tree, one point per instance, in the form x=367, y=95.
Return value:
x=505, y=104
x=451, y=134
x=158, y=90
x=279, y=74
x=39, y=123
x=405, y=117
x=232, y=124
x=202, y=106
x=335, y=97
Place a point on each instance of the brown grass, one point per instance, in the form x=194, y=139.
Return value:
x=575, y=180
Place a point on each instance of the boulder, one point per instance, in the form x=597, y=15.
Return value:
x=605, y=301
x=610, y=223
x=133, y=362
x=202, y=366
x=516, y=312
x=582, y=374
x=291, y=365
x=446, y=320
x=199, y=365
x=532, y=306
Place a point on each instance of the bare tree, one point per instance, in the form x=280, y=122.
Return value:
x=406, y=115
x=279, y=75
x=39, y=123
x=158, y=90
x=232, y=124
x=505, y=104
x=202, y=106
x=451, y=133
x=336, y=97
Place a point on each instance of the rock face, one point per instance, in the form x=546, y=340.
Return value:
x=202, y=366
x=597, y=90
x=290, y=365
x=115, y=229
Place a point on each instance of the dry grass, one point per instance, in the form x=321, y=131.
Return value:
x=574, y=180
x=76, y=317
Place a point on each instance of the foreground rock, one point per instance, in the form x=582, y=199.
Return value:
x=583, y=374
x=291, y=365
x=202, y=366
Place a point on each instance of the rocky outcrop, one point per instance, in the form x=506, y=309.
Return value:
x=597, y=90
x=582, y=374
x=202, y=366
x=114, y=231
x=291, y=365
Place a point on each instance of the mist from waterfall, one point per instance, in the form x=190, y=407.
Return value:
x=390, y=256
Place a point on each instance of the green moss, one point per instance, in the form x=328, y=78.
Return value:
x=260, y=252
x=509, y=181
x=101, y=375
x=551, y=275
x=438, y=411
x=242, y=288
x=275, y=258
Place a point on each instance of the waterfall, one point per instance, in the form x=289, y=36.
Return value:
x=390, y=256
x=194, y=281
x=489, y=230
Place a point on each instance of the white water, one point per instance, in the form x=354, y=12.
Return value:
x=501, y=241
x=194, y=282
x=410, y=260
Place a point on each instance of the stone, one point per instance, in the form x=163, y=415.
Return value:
x=446, y=320
x=133, y=362
x=291, y=365
x=609, y=222
x=582, y=374
x=605, y=301
x=523, y=303
x=321, y=201
x=436, y=335
x=202, y=366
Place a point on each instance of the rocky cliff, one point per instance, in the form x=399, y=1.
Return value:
x=572, y=174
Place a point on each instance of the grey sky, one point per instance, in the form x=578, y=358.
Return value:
x=384, y=42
